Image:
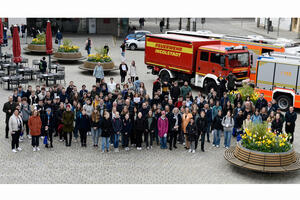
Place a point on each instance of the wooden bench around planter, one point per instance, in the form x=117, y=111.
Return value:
x=261, y=161
x=264, y=159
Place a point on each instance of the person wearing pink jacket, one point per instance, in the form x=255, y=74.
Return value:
x=163, y=125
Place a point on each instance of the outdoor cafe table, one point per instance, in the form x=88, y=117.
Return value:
x=9, y=67
x=26, y=70
x=54, y=66
x=9, y=79
x=49, y=75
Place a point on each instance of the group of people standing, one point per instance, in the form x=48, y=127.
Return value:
x=124, y=115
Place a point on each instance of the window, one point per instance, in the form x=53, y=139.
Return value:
x=215, y=58
x=238, y=60
x=204, y=56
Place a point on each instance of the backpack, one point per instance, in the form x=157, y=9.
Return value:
x=41, y=66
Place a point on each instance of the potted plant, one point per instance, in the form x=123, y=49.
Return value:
x=100, y=56
x=68, y=51
x=38, y=43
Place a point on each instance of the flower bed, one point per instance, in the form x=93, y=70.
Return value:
x=38, y=43
x=68, y=50
x=245, y=91
x=100, y=56
x=260, y=138
x=260, y=146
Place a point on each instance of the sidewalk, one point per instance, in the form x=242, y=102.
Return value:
x=241, y=27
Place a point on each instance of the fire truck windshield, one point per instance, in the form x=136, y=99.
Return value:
x=238, y=59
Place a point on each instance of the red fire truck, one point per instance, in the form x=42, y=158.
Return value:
x=197, y=60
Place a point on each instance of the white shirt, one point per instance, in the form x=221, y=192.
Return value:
x=132, y=70
x=111, y=86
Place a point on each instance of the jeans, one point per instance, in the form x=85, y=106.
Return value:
x=75, y=132
x=35, y=141
x=15, y=140
x=116, y=140
x=193, y=147
x=146, y=138
x=208, y=131
x=227, y=138
x=83, y=136
x=59, y=42
x=105, y=143
x=95, y=134
x=123, y=54
x=88, y=50
x=125, y=139
x=216, y=134
x=25, y=124
x=163, y=142
x=68, y=135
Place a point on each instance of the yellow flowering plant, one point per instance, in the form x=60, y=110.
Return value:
x=245, y=90
x=39, y=40
x=68, y=47
x=99, y=56
x=259, y=138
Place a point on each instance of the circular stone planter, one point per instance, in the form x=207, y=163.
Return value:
x=106, y=66
x=36, y=47
x=71, y=55
x=261, y=161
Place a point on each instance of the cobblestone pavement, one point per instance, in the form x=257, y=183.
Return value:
x=88, y=165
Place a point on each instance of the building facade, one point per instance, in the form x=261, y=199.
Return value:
x=287, y=24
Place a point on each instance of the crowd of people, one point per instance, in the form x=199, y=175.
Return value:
x=125, y=116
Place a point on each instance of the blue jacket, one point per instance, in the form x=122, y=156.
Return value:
x=256, y=119
x=98, y=72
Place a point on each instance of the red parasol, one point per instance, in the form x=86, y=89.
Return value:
x=16, y=46
x=49, y=38
x=1, y=32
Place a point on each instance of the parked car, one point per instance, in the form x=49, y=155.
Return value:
x=134, y=44
x=137, y=34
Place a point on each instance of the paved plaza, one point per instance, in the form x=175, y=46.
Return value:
x=88, y=165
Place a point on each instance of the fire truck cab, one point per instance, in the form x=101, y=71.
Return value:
x=214, y=61
x=277, y=76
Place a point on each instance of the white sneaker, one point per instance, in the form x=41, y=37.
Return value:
x=34, y=149
x=60, y=140
x=14, y=151
x=21, y=138
x=183, y=144
x=38, y=149
x=226, y=147
x=148, y=148
x=213, y=145
x=217, y=146
x=102, y=151
x=19, y=149
x=111, y=144
x=193, y=151
x=29, y=136
x=75, y=141
x=190, y=150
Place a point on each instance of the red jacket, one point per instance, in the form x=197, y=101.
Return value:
x=35, y=125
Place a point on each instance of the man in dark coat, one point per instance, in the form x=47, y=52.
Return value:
x=175, y=92
x=8, y=108
x=261, y=102
x=231, y=78
x=290, y=119
x=48, y=126
x=123, y=71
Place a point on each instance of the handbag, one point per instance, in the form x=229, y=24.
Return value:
x=56, y=41
x=45, y=140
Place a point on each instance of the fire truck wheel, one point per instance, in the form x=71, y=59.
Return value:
x=133, y=47
x=210, y=84
x=164, y=76
x=284, y=102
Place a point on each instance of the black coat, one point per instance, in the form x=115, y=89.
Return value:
x=9, y=106
x=49, y=123
x=122, y=72
x=175, y=92
x=126, y=126
x=172, y=122
x=239, y=121
x=140, y=125
x=261, y=103
x=117, y=125
x=277, y=126
x=191, y=130
x=106, y=126
x=217, y=123
x=84, y=123
x=201, y=124
x=153, y=125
